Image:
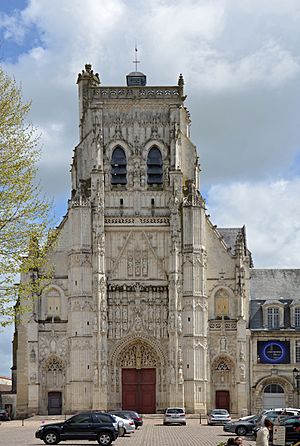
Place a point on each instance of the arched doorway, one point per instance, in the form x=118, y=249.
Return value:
x=223, y=379
x=53, y=379
x=273, y=396
x=138, y=363
x=138, y=378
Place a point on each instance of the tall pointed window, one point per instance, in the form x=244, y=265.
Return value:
x=118, y=166
x=154, y=166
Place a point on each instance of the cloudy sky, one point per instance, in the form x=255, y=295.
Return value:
x=241, y=65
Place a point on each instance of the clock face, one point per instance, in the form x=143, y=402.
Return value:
x=273, y=352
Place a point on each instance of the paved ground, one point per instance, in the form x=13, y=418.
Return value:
x=153, y=433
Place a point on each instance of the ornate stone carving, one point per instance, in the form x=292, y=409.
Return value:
x=138, y=356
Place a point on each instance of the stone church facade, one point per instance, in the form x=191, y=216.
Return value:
x=150, y=303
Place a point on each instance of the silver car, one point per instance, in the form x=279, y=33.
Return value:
x=125, y=425
x=218, y=416
x=174, y=415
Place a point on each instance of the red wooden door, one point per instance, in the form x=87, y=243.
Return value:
x=223, y=399
x=138, y=390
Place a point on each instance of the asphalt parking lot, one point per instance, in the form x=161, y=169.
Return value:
x=153, y=433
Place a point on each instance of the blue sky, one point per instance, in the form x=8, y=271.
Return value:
x=241, y=65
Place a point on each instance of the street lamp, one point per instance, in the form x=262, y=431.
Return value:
x=296, y=375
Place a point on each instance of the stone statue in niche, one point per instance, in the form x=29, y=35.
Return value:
x=242, y=372
x=180, y=375
x=138, y=323
x=223, y=344
x=32, y=355
x=172, y=374
x=96, y=375
x=172, y=322
x=103, y=323
x=104, y=375
x=179, y=324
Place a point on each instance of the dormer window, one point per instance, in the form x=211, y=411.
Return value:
x=154, y=166
x=118, y=166
x=295, y=314
x=297, y=317
x=273, y=314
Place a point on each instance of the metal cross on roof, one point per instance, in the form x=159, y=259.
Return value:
x=135, y=61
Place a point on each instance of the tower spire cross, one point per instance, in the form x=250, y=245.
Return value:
x=135, y=61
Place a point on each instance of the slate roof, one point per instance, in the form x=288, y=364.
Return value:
x=272, y=284
x=230, y=236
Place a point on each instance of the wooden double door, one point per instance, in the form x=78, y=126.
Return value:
x=223, y=399
x=138, y=390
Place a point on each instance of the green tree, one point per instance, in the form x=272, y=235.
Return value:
x=24, y=212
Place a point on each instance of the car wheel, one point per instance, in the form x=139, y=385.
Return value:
x=104, y=438
x=241, y=430
x=122, y=431
x=183, y=424
x=165, y=424
x=51, y=437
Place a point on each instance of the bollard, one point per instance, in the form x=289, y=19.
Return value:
x=200, y=420
x=22, y=421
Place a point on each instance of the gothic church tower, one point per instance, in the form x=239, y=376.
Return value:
x=126, y=321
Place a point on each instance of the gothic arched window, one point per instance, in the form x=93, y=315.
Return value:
x=53, y=303
x=154, y=166
x=118, y=166
x=222, y=303
x=222, y=365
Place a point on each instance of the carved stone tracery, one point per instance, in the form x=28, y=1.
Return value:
x=138, y=356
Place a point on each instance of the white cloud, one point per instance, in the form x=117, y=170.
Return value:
x=271, y=217
x=14, y=29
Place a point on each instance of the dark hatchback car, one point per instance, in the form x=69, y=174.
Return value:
x=4, y=415
x=82, y=426
x=242, y=427
x=291, y=436
x=138, y=420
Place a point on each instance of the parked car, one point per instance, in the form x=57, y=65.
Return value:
x=291, y=436
x=126, y=425
x=4, y=415
x=242, y=426
x=276, y=415
x=82, y=426
x=218, y=416
x=138, y=420
x=174, y=415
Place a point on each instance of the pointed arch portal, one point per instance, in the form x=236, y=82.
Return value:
x=138, y=363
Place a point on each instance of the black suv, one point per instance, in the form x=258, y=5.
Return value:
x=82, y=426
x=4, y=416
